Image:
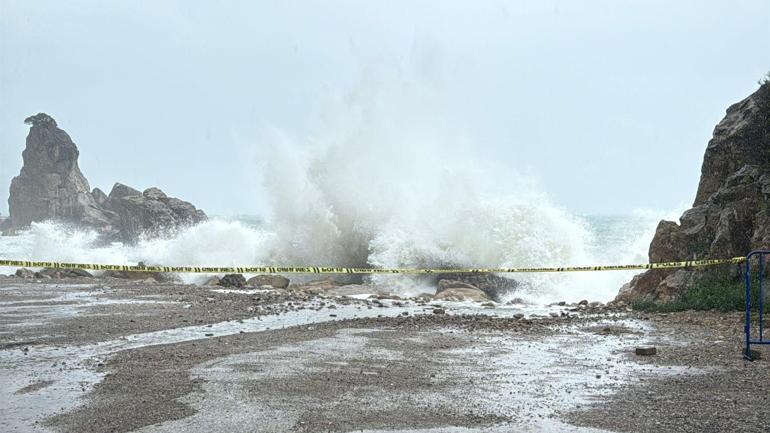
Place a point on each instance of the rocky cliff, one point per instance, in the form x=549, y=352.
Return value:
x=51, y=186
x=730, y=214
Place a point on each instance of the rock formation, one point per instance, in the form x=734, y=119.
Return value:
x=51, y=186
x=274, y=281
x=149, y=213
x=232, y=280
x=730, y=215
x=495, y=287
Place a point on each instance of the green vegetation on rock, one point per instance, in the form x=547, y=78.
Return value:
x=717, y=290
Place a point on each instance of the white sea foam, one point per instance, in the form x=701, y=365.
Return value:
x=491, y=234
x=212, y=243
x=390, y=179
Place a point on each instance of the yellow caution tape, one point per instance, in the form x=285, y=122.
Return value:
x=332, y=270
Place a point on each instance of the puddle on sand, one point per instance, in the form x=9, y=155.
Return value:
x=555, y=374
x=58, y=301
x=473, y=308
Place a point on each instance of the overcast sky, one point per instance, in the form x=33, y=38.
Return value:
x=607, y=104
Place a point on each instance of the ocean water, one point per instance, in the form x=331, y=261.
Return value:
x=562, y=240
x=392, y=175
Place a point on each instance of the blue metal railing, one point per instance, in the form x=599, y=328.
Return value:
x=761, y=307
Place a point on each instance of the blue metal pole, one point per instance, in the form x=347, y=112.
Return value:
x=761, y=294
x=747, y=328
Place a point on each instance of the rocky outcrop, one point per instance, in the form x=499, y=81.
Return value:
x=149, y=213
x=275, y=281
x=730, y=214
x=232, y=280
x=51, y=186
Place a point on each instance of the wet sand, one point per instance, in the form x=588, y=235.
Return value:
x=96, y=355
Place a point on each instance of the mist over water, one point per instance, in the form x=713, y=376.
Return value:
x=218, y=242
x=391, y=178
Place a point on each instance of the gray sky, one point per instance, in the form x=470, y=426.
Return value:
x=607, y=104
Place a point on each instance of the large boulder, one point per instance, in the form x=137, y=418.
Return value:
x=494, y=286
x=444, y=285
x=232, y=280
x=449, y=290
x=24, y=273
x=730, y=214
x=275, y=281
x=51, y=186
x=62, y=273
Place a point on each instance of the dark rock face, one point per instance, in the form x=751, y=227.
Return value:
x=99, y=196
x=452, y=284
x=119, y=191
x=51, y=187
x=62, y=273
x=149, y=213
x=730, y=214
x=232, y=280
x=24, y=273
x=50, y=184
x=459, y=291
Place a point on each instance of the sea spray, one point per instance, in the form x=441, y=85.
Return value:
x=231, y=243
x=391, y=178
x=215, y=242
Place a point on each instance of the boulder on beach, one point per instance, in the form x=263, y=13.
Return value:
x=444, y=285
x=275, y=281
x=24, y=273
x=232, y=280
x=62, y=273
x=50, y=186
x=731, y=212
x=494, y=286
x=461, y=294
x=451, y=290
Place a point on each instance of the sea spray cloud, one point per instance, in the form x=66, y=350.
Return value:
x=532, y=241
x=392, y=178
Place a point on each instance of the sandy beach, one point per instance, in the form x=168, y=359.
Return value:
x=103, y=354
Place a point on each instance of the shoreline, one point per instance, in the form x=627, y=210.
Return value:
x=97, y=354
